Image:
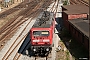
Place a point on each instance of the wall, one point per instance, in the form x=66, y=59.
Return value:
x=65, y=19
x=73, y=16
x=80, y=37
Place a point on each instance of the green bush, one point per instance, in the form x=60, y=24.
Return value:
x=65, y=2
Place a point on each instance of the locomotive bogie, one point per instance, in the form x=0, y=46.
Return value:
x=41, y=49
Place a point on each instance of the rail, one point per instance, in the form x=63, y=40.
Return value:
x=74, y=2
x=33, y=10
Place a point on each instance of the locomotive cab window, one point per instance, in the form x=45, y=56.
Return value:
x=41, y=33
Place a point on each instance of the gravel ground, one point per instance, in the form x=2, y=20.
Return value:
x=6, y=19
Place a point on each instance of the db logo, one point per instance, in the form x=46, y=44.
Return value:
x=41, y=40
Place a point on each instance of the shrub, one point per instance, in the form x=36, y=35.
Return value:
x=65, y=2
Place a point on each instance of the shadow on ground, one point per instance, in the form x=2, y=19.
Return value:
x=25, y=48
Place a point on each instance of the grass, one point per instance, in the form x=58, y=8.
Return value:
x=67, y=55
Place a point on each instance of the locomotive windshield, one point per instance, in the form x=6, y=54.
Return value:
x=41, y=33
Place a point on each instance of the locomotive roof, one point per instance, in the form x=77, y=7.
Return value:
x=44, y=21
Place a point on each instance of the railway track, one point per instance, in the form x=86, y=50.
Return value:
x=6, y=58
x=41, y=58
x=24, y=18
x=51, y=10
x=74, y=2
x=84, y=2
x=77, y=2
x=15, y=23
x=22, y=13
x=16, y=57
x=12, y=21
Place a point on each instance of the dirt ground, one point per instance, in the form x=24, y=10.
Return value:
x=64, y=53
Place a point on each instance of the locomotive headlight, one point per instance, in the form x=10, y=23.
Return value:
x=46, y=40
x=47, y=49
x=34, y=49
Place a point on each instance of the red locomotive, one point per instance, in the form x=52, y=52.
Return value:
x=41, y=33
